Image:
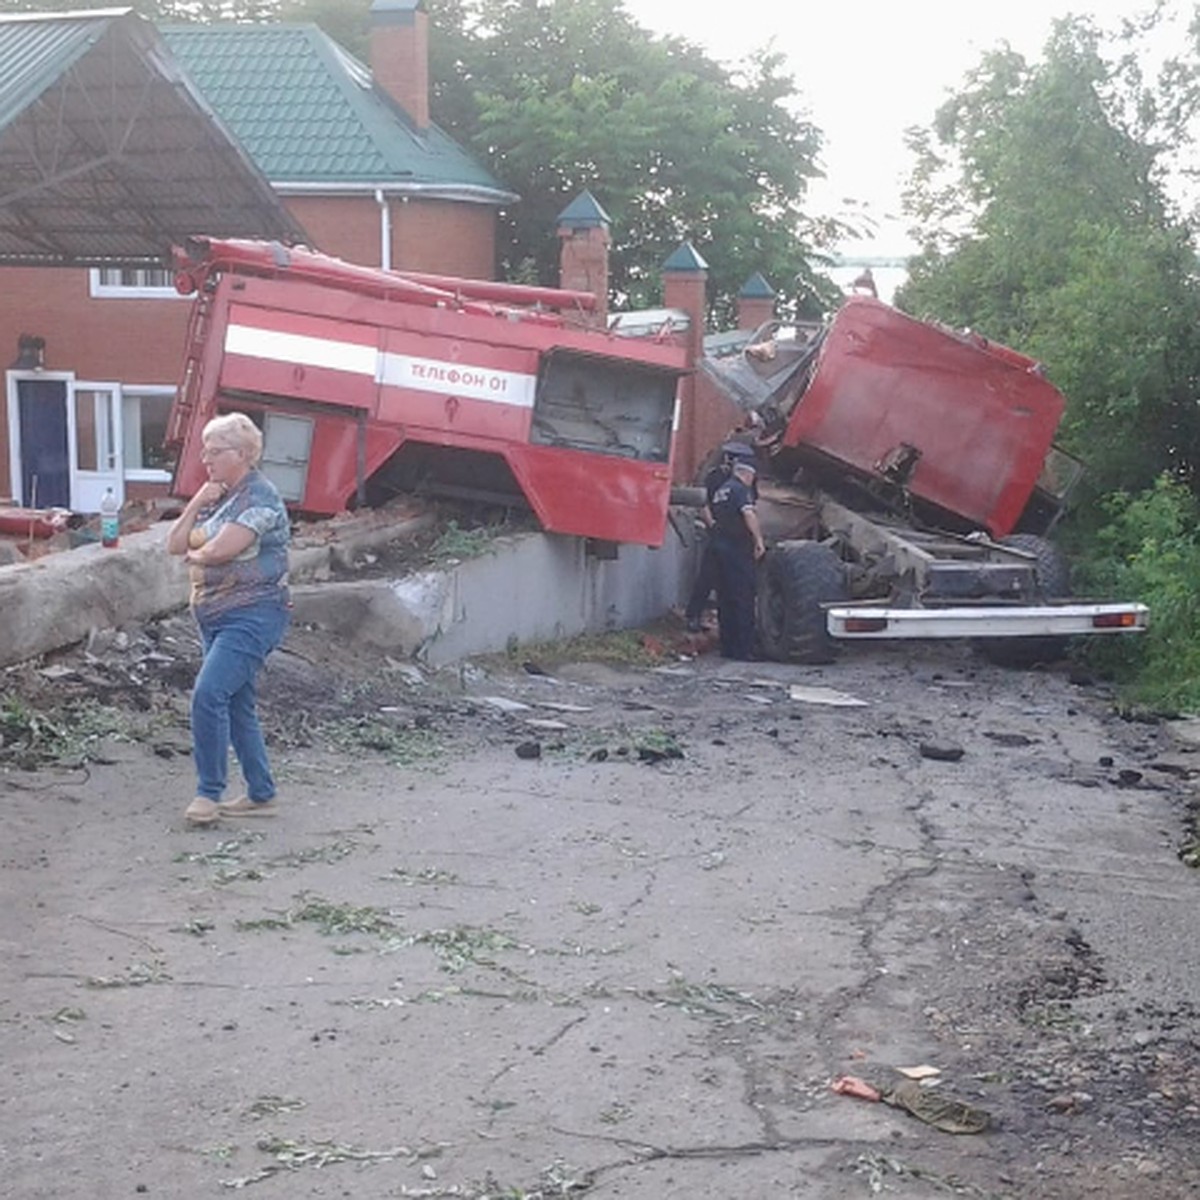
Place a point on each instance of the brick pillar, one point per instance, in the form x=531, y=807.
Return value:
x=584, y=240
x=400, y=55
x=755, y=303
x=685, y=281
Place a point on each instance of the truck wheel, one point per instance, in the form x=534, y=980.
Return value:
x=1053, y=576
x=797, y=578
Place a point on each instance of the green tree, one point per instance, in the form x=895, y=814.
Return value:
x=561, y=95
x=1044, y=224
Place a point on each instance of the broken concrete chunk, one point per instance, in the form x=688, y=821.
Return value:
x=942, y=751
x=58, y=672
x=504, y=704
x=1008, y=739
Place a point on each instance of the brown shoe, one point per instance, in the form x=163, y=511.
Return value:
x=202, y=811
x=243, y=806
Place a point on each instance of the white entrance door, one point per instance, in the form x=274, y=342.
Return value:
x=94, y=442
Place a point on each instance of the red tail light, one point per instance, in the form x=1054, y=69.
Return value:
x=1124, y=620
x=866, y=624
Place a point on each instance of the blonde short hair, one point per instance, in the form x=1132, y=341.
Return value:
x=237, y=431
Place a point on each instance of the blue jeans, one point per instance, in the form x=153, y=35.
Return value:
x=225, y=700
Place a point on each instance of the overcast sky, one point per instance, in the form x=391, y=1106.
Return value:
x=869, y=69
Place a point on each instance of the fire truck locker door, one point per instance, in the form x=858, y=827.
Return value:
x=287, y=449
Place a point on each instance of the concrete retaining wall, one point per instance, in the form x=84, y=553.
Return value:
x=535, y=587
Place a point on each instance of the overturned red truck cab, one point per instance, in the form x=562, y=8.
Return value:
x=370, y=382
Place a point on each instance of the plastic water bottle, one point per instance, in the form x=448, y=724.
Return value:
x=110, y=520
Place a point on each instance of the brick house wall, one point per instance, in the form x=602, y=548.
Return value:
x=140, y=341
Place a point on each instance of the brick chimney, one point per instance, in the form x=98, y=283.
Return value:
x=584, y=240
x=685, y=280
x=755, y=303
x=400, y=55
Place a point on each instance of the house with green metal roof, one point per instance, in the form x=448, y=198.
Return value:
x=247, y=130
x=323, y=127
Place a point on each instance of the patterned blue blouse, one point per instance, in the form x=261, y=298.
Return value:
x=259, y=574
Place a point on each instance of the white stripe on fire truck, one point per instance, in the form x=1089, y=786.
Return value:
x=398, y=370
x=459, y=379
x=300, y=348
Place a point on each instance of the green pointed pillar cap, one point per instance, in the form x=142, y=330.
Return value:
x=685, y=258
x=756, y=288
x=584, y=212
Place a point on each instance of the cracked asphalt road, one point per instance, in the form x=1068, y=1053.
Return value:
x=629, y=966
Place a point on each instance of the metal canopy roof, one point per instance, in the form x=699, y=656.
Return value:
x=109, y=154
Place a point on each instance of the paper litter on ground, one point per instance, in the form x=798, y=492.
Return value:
x=824, y=695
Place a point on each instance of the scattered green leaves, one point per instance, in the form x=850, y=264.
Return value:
x=137, y=975
x=430, y=875
x=70, y=736
x=404, y=747
x=268, y=1106
x=711, y=1000
x=463, y=945
x=291, y=1155
x=330, y=852
x=329, y=917
x=224, y=854
x=197, y=927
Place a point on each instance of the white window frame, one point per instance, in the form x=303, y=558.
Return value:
x=99, y=290
x=147, y=474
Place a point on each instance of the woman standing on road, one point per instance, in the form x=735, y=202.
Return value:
x=233, y=534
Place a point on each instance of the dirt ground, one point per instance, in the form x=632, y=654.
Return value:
x=553, y=927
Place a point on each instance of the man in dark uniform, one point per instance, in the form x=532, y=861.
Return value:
x=738, y=545
x=706, y=576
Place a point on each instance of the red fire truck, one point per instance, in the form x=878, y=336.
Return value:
x=371, y=381
x=910, y=480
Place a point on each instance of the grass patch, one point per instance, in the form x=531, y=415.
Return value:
x=618, y=647
x=455, y=543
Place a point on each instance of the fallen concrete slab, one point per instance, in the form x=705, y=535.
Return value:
x=56, y=600
x=529, y=587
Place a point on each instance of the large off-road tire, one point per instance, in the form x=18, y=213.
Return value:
x=796, y=579
x=1053, y=575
